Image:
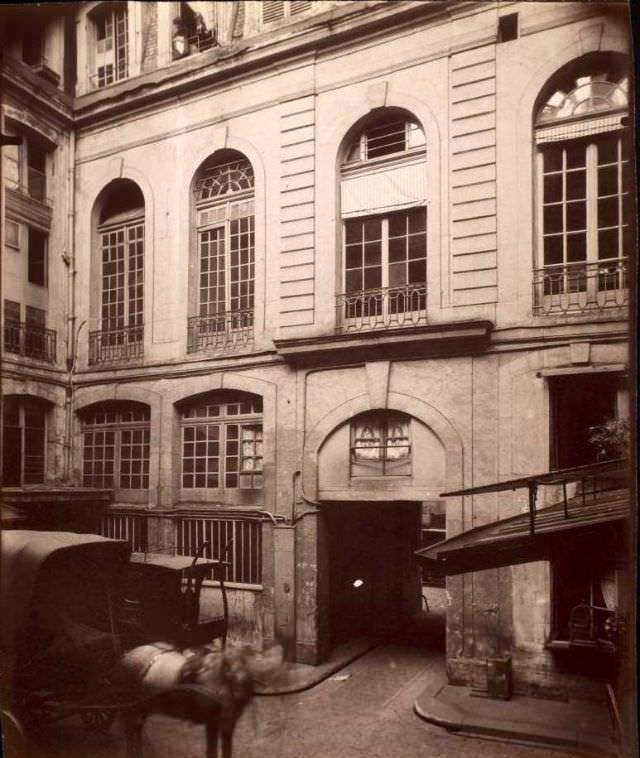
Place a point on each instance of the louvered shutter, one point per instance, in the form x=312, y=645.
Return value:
x=300, y=6
x=272, y=10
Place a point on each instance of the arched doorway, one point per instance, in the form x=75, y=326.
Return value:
x=376, y=473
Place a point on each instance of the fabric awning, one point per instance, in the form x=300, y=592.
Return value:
x=509, y=541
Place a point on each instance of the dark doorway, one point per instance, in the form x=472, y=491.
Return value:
x=373, y=580
x=578, y=403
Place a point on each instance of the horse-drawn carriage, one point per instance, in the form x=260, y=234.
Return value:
x=80, y=628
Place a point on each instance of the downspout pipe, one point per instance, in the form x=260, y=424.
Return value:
x=69, y=258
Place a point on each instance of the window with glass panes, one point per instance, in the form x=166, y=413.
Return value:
x=226, y=241
x=380, y=445
x=23, y=441
x=583, y=170
x=387, y=251
x=111, y=51
x=585, y=201
x=116, y=439
x=122, y=281
x=222, y=443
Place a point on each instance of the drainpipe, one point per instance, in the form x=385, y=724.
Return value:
x=69, y=258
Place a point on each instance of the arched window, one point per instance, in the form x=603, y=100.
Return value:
x=120, y=240
x=222, y=442
x=115, y=442
x=23, y=440
x=223, y=192
x=584, y=232
x=384, y=216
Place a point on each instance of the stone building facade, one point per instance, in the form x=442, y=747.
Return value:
x=306, y=266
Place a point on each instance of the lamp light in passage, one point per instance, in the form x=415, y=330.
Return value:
x=358, y=583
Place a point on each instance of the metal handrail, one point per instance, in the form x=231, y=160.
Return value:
x=116, y=345
x=30, y=341
x=581, y=286
x=381, y=308
x=220, y=331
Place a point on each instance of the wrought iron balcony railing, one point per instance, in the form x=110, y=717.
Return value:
x=381, y=308
x=223, y=331
x=116, y=345
x=580, y=287
x=31, y=341
x=184, y=46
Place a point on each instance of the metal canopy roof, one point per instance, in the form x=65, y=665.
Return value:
x=566, y=475
x=510, y=541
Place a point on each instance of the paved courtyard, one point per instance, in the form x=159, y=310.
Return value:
x=364, y=710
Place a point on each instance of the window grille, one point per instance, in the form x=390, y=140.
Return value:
x=116, y=441
x=238, y=541
x=126, y=526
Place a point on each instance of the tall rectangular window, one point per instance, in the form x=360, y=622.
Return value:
x=12, y=326
x=35, y=342
x=37, y=257
x=585, y=217
x=111, y=44
x=123, y=282
x=227, y=261
x=386, y=263
x=23, y=436
x=579, y=403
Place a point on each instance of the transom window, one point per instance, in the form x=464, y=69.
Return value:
x=222, y=443
x=584, y=230
x=116, y=438
x=380, y=445
x=23, y=441
x=390, y=135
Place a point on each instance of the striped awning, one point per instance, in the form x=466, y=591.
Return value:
x=576, y=129
x=384, y=190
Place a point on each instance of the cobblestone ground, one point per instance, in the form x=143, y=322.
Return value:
x=363, y=711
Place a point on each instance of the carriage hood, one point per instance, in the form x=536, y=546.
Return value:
x=26, y=556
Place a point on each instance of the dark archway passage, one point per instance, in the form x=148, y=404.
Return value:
x=373, y=580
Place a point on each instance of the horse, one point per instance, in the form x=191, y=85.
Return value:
x=202, y=685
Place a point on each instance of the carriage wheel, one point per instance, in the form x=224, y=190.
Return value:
x=97, y=719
